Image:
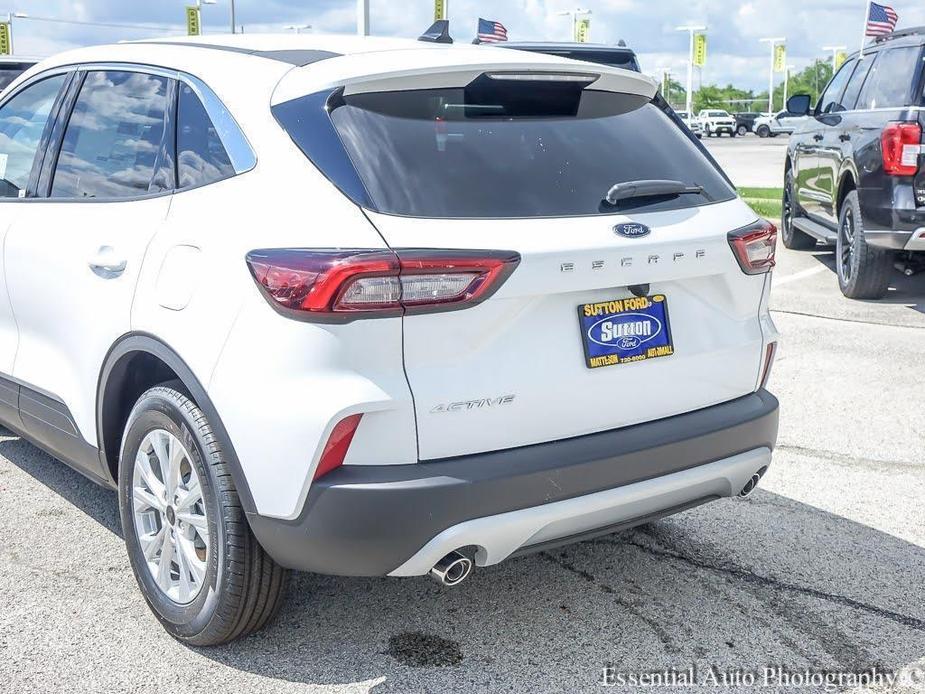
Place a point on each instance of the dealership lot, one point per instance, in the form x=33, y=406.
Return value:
x=819, y=569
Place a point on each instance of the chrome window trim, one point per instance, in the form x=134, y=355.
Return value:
x=229, y=132
x=240, y=152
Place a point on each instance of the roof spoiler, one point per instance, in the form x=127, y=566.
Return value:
x=439, y=32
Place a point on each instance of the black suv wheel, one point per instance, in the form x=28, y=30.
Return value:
x=794, y=239
x=863, y=270
x=763, y=131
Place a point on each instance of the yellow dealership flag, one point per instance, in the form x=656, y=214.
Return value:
x=700, y=50
x=193, y=26
x=439, y=10
x=780, y=58
x=840, y=59
x=6, y=45
x=583, y=30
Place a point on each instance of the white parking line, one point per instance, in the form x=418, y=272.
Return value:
x=787, y=279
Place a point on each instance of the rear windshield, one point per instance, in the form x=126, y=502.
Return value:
x=508, y=151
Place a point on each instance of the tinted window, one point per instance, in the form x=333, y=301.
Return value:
x=830, y=101
x=201, y=156
x=22, y=122
x=10, y=71
x=890, y=81
x=114, y=136
x=500, y=149
x=850, y=98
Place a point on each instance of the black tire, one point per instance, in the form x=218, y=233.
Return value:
x=743, y=131
x=243, y=587
x=792, y=238
x=763, y=131
x=863, y=270
x=732, y=134
x=708, y=131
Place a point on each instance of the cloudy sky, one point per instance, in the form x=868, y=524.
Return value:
x=736, y=55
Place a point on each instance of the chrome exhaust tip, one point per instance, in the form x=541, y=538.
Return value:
x=752, y=483
x=452, y=570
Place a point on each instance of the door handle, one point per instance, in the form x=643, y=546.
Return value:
x=844, y=137
x=818, y=138
x=107, y=260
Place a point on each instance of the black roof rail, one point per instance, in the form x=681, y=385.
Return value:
x=439, y=32
x=911, y=31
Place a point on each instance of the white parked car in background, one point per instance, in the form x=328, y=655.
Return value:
x=371, y=307
x=715, y=122
x=692, y=123
x=781, y=123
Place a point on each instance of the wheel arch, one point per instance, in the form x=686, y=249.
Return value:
x=135, y=363
x=847, y=182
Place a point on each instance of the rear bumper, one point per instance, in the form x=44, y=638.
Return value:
x=892, y=217
x=399, y=520
x=897, y=240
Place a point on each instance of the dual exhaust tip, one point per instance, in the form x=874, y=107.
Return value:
x=452, y=570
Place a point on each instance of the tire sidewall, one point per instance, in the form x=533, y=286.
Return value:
x=160, y=409
x=852, y=207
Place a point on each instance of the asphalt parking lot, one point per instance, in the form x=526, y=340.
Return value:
x=751, y=161
x=820, y=569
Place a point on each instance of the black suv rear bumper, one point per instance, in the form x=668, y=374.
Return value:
x=369, y=520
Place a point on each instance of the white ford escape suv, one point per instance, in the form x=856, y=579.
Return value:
x=371, y=307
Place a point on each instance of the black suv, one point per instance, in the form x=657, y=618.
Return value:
x=745, y=122
x=614, y=56
x=853, y=176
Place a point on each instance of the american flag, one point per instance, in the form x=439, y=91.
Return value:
x=491, y=32
x=881, y=20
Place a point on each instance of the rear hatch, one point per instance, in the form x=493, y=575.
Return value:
x=522, y=162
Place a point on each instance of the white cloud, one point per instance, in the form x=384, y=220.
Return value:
x=735, y=54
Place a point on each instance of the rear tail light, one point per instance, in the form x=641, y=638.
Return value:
x=335, y=450
x=344, y=285
x=755, y=246
x=901, y=144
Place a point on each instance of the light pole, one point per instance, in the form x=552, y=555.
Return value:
x=234, y=28
x=692, y=30
x=835, y=50
x=9, y=20
x=665, y=72
x=787, y=70
x=363, y=17
x=774, y=43
x=574, y=14
x=199, y=4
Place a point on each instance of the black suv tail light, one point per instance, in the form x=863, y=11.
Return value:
x=901, y=144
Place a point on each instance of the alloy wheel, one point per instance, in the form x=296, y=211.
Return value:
x=846, y=248
x=170, y=516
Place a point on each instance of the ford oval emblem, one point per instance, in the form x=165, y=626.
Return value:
x=632, y=231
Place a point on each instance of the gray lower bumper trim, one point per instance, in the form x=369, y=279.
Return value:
x=369, y=520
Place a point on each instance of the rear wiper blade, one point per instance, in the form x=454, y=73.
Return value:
x=649, y=189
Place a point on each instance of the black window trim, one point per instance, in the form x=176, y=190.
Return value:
x=58, y=119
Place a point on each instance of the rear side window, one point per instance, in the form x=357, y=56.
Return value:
x=503, y=149
x=113, y=138
x=22, y=122
x=201, y=156
x=856, y=83
x=831, y=100
x=889, y=83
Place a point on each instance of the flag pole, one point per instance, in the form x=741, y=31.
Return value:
x=863, y=29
